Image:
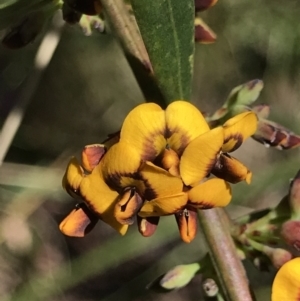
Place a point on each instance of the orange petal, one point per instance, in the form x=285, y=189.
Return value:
x=237, y=130
x=187, y=222
x=144, y=129
x=79, y=222
x=184, y=124
x=286, y=283
x=200, y=156
x=164, y=206
x=212, y=193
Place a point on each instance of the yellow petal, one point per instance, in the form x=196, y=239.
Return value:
x=238, y=129
x=101, y=198
x=164, y=206
x=286, y=285
x=200, y=156
x=232, y=170
x=184, y=123
x=212, y=193
x=73, y=177
x=159, y=183
x=121, y=160
x=144, y=129
x=79, y=222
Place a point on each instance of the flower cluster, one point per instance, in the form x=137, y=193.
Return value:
x=161, y=164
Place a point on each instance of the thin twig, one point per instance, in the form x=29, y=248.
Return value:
x=124, y=27
x=223, y=254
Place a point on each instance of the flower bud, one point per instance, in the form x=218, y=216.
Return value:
x=273, y=134
x=290, y=232
x=210, y=287
x=127, y=207
x=79, y=222
x=187, y=223
x=147, y=225
x=91, y=156
x=262, y=110
x=179, y=276
x=277, y=256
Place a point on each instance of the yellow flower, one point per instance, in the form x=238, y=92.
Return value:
x=159, y=166
x=286, y=285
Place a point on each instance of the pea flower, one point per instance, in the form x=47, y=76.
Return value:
x=160, y=165
x=286, y=282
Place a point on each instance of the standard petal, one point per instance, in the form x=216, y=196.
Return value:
x=237, y=130
x=286, y=284
x=159, y=183
x=79, y=222
x=73, y=177
x=212, y=193
x=164, y=206
x=200, y=156
x=231, y=170
x=144, y=129
x=184, y=123
x=121, y=161
x=101, y=199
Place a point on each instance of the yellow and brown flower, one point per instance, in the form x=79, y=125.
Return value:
x=160, y=165
x=286, y=283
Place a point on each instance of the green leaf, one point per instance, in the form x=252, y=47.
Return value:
x=167, y=28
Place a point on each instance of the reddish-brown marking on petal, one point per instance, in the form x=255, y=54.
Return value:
x=238, y=138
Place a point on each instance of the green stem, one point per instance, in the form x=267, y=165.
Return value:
x=223, y=254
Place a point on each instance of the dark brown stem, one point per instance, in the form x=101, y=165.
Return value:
x=224, y=256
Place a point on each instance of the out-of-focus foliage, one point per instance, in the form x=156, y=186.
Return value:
x=82, y=96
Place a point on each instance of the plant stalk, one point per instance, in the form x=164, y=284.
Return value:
x=223, y=253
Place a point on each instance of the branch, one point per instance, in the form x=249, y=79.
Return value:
x=223, y=254
x=124, y=27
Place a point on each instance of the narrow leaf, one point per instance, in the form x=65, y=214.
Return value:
x=167, y=28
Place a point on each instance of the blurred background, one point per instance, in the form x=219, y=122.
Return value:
x=66, y=90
